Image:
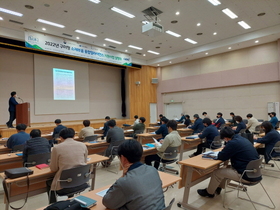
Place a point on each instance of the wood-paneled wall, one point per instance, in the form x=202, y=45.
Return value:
x=140, y=96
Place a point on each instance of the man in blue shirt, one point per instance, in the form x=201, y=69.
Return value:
x=162, y=129
x=274, y=119
x=210, y=132
x=198, y=125
x=19, y=138
x=105, y=127
x=56, y=131
x=12, y=109
x=220, y=121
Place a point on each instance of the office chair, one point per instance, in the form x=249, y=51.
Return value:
x=170, y=154
x=90, y=138
x=275, y=156
x=73, y=181
x=258, y=130
x=253, y=170
x=170, y=205
x=18, y=148
x=37, y=159
x=216, y=143
x=113, y=153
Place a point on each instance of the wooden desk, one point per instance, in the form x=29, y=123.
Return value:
x=153, y=124
x=181, y=125
x=17, y=187
x=4, y=149
x=145, y=138
x=10, y=160
x=146, y=152
x=3, y=141
x=167, y=180
x=185, y=131
x=193, y=171
x=152, y=129
x=188, y=144
x=97, y=148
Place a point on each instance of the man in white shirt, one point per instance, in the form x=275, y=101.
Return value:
x=87, y=130
x=252, y=123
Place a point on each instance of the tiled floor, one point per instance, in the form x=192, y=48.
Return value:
x=104, y=177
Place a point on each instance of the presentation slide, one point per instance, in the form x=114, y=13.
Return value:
x=63, y=84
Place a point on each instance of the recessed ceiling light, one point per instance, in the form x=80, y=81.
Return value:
x=214, y=2
x=104, y=45
x=77, y=37
x=257, y=41
x=111, y=40
x=115, y=9
x=177, y=13
x=1, y=18
x=190, y=41
x=172, y=33
x=145, y=22
x=198, y=24
x=153, y=52
x=50, y=23
x=215, y=33
x=11, y=12
x=229, y=13
x=244, y=25
x=85, y=33
x=95, y=1
x=229, y=48
x=206, y=53
x=138, y=48
x=43, y=29
x=125, y=50
x=144, y=54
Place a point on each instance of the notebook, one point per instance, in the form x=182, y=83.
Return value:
x=210, y=155
x=41, y=166
x=192, y=137
x=102, y=193
x=19, y=154
x=150, y=145
x=85, y=202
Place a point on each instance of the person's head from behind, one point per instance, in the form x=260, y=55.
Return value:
x=57, y=121
x=204, y=113
x=231, y=114
x=238, y=119
x=164, y=120
x=266, y=126
x=13, y=94
x=86, y=123
x=249, y=116
x=206, y=122
x=67, y=133
x=187, y=116
x=107, y=118
x=111, y=123
x=135, y=117
x=35, y=133
x=227, y=133
x=219, y=114
x=195, y=116
x=171, y=125
x=21, y=127
x=130, y=151
x=142, y=119
x=160, y=116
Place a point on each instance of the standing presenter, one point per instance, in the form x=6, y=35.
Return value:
x=12, y=109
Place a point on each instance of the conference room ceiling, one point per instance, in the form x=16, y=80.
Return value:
x=99, y=19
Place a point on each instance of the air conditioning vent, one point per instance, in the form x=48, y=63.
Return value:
x=138, y=53
x=69, y=35
x=13, y=21
x=112, y=46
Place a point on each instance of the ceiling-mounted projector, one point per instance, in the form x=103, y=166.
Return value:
x=152, y=29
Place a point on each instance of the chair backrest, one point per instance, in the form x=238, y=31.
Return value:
x=216, y=143
x=170, y=205
x=258, y=128
x=90, y=138
x=36, y=159
x=222, y=126
x=245, y=121
x=75, y=176
x=115, y=146
x=276, y=149
x=18, y=148
x=171, y=152
x=253, y=168
x=242, y=130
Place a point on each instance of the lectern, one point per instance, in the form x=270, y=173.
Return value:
x=23, y=114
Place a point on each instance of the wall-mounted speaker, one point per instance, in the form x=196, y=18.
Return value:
x=154, y=80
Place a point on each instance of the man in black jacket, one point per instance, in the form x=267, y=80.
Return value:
x=240, y=151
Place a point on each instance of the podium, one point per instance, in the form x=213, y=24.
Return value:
x=23, y=114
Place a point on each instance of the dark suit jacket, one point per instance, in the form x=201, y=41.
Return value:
x=57, y=129
x=240, y=126
x=114, y=134
x=162, y=130
x=12, y=104
x=210, y=132
x=197, y=126
x=105, y=129
x=220, y=121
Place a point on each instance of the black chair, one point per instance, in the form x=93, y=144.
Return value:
x=258, y=130
x=170, y=205
x=253, y=170
x=170, y=155
x=90, y=138
x=18, y=148
x=242, y=131
x=275, y=156
x=33, y=160
x=113, y=153
x=73, y=181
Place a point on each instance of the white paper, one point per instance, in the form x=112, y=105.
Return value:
x=102, y=193
x=157, y=143
x=129, y=130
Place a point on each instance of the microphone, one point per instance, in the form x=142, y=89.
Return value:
x=20, y=99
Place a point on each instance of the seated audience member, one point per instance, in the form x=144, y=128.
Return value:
x=187, y=120
x=162, y=129
x=220, y=121
x=210, y=132
x=252, y=123
x=240, y=124
x=198, y=125
x=240, y=152
x=173, y=139
x=114, y=134
x=233, y=122
x=105, y=127
x=182, y=119
x=205, y=115
x=19, y=138
x=136, y=121
x=269, y=140
x=66, y=155
x=56, y=131
x=160, y=117
x=139, y=127
x=87, y=130
x=139, y=187
x=273, y=119
x=36, y=145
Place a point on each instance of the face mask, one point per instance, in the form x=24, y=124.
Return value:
x=218, y=116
